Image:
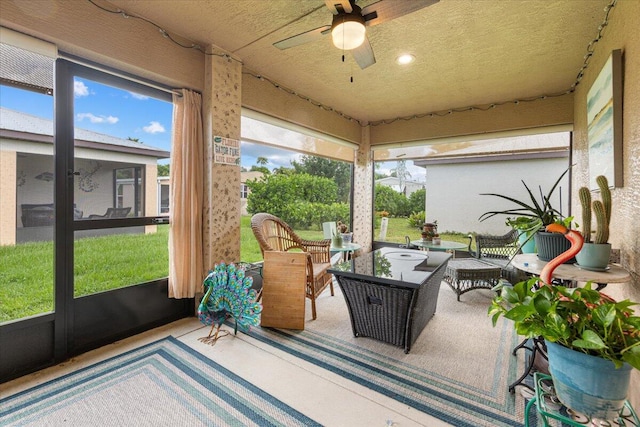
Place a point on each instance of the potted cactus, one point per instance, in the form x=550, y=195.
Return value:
x=596, y=251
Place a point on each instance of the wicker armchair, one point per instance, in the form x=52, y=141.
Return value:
x=499, y=250
x=273, y=234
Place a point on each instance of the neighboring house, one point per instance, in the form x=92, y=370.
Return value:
x=109, y=172
x=457, y=177
x=407, y=187
x=163, y=195
x=163, y=191
x=244, y=190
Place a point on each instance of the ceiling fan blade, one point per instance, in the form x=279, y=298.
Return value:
x=332, y=5
x=303, y=38
x=363, y=54
x=383, y=11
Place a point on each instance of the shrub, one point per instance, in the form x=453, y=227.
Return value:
x=277, y=193
x=416, y=219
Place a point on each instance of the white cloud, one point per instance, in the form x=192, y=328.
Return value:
x=80, y=89
x=154, y=127
x=138, y=96
x=97, y=119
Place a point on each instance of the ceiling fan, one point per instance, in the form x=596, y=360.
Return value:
x=348, y=27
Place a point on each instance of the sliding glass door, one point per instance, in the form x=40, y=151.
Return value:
x=116, y=243
x=83, y=241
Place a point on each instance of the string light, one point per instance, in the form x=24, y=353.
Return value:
x=580, y=75
x=303, y=97
x=165, y=33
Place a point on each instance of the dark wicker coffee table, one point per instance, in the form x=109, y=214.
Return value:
x=464, y=275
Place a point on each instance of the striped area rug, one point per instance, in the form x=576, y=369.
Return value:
x=458, y=370
x=161, y=384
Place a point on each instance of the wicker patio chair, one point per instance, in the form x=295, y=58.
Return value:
x=112, y=213
x=499, y=250
x=273, y=234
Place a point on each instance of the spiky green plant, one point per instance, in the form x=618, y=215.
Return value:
x=601, y=209
x=602, y=234
x=585, y=201
x=605, y=194
x=530, y=216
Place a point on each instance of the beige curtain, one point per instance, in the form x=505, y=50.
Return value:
x=186, y=196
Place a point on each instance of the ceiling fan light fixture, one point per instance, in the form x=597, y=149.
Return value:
x=347, y=30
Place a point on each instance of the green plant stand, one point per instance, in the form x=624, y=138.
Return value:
x=552, y=415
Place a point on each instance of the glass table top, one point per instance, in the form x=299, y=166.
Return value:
x=394, y=266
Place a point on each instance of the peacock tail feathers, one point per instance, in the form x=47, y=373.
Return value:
x=229, y=294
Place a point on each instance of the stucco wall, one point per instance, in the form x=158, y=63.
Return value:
x=623, y=32
x=453, y=191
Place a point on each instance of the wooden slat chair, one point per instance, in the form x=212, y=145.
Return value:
x=273, y=234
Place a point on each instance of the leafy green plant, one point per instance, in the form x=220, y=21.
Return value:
x=581, y=319
x=533, y=215
x=416, y=219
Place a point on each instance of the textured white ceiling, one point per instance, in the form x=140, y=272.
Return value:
x=468, y=52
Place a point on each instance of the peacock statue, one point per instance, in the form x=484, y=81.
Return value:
x=228, y=294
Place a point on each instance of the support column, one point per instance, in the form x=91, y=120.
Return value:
x=363, y=192
x=221, y=112
x=151, y=195
x=8, y=173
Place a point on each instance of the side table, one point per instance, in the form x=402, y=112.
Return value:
x=466, y=274
x=544, y=399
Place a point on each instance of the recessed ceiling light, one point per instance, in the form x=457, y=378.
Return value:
x=405, y=59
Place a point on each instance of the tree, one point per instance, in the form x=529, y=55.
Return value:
x=261, y=166
x=402, y=174
x=262, y=161
x=337, y=171
x=417, y=200
x=387, y=199
x=164, y=170
x=265, y=170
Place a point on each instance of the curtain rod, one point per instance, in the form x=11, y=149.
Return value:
x=117, y=73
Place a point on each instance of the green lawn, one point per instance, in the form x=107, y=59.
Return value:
x=101, y=264
x=110, y=262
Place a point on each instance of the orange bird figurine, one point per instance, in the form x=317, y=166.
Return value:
x=576, y=240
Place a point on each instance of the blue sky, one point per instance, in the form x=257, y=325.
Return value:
x=112, y=111
x=103, y=109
